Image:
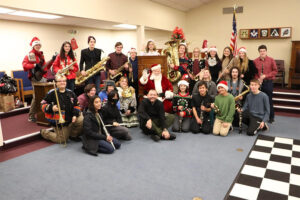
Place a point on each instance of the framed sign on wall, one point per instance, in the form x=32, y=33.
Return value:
x=266, y=33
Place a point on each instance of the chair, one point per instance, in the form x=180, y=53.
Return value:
x=23, y=83
x=2, y=74
x=281, y=72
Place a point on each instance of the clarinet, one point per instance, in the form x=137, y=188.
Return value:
x=201, y=115
x=180, y=123
x=262, y=72
x=237, y=106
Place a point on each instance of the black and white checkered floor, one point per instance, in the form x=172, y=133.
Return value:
x=271, y=171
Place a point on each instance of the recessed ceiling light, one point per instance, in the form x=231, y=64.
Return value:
x=125, y=26
x=35, y=15
x=5, y=10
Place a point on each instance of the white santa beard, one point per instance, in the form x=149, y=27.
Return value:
x=157, y=83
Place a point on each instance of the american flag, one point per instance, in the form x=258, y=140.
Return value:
x=233, y=43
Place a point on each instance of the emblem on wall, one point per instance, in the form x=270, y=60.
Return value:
x=266, y=33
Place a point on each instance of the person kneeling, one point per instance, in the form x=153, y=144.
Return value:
x=224, y=106
x=95, y=137
x=201, y=109
x=182, y=108
x=256, y=110
x=112, y=117
x=152, y=118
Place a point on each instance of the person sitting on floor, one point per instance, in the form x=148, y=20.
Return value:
x=112, y=117
x=72, y=127
x=201, y=109
x=94, y=138
x=182, y=108
x=127, y=103
x=224, y=107
x=83, y=99
x=109, y=86
x=256, y=109
x=153, y=120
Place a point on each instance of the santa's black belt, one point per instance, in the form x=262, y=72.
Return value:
x=161, y=95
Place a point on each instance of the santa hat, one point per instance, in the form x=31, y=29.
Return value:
x=35, y=41
x=183, y=82
x=183, y=43
x=212, y=48
x=155, y=66
x=132, y=50
x=204, y=46
x=223, y=84
x=242, y=49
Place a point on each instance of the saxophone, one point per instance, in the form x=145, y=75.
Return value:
x=118, y=72
x=173, y=58
x=92, y=71
x=65, y=71
x=243, y=93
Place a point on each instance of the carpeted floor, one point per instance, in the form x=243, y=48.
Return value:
x=192, y=166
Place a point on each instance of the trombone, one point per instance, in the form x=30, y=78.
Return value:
x=61, y=120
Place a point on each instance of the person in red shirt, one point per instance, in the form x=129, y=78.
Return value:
x=267, y=71
x=65, y=58
x=35, y=60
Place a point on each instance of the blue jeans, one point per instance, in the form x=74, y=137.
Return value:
x=95, y=80
x=106, y=147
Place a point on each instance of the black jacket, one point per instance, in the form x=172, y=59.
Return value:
x=147, y=111
x=92, y=132
x=110, y=113
x=90, y=58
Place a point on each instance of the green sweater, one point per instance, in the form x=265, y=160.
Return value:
x=226, y=105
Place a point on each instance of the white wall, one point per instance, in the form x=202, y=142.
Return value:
x=16, y=36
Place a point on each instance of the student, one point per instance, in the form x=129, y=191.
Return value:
x=128, y=105
x=182, y=108
x=94, y=138
x=109, y=86
x=214, y=63
x=256, y=109
x=246, y=66
x=201, y=109
x=153, y=120
x=65, y=58
x=211, y=86
x=150, y=49
x=224, y=107
x=83, y=99
x=267, y=71
x=227, y=63
x=90, y=57
x=112, y=117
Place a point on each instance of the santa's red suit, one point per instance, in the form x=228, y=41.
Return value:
x=162, y=85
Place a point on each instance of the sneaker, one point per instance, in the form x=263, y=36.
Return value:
x=32, y=119
x=128, y=137
x=231, y=128
x=266, y=127
x=156, y=138
x=271, y=121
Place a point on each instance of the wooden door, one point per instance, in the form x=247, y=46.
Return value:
x=294, y=71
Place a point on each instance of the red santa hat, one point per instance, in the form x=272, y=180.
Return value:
x=155, y=66
x=242, y=49
x=223, y=84
x=35, y=41
x=204, y=46
x=212, y=48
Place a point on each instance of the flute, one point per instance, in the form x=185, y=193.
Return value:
x=106, y=132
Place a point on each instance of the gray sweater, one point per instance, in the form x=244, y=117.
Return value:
x=258, y=105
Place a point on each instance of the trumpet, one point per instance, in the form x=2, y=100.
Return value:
x=61, y=120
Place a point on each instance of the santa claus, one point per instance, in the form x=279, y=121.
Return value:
x=155, y=80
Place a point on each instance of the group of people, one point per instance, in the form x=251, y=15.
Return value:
x=213, y=95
